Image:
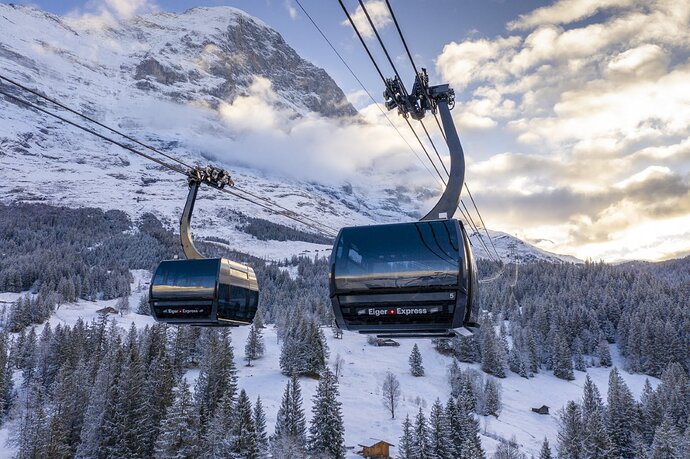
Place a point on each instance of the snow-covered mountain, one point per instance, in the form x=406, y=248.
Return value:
x=187, y=83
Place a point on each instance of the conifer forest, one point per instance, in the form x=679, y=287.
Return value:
x=95, y=390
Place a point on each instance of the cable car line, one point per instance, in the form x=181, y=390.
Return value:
x=285, y=212
x=119, y=144
x=414, y=66
x=342, y=59
x=88, y=118
x=402, y=86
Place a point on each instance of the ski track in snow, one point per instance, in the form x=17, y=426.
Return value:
x=364, y=415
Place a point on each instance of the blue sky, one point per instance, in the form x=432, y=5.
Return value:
x=574, y=114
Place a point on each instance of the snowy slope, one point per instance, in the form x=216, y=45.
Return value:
x=360, y=384
x=169, y=80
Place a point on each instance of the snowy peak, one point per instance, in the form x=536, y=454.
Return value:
x=208, y=53
x=510, y=247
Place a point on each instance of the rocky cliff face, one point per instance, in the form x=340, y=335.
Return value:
x=209, y=54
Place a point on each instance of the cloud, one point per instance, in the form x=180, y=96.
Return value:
x=592, y=102
x=379, y=14
x=106, y=12
x=292, y=11
x=255, y=130
x=565, y=12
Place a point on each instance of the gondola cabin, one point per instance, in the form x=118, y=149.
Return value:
x=205, y=292
x=403, y=278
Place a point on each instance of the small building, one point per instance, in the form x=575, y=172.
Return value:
x=386, y=342
x=379, y=450
x=107, y=310
x=543, y=410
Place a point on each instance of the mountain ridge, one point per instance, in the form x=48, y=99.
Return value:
x=146, y=92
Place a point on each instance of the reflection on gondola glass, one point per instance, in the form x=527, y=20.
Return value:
x=420, y=254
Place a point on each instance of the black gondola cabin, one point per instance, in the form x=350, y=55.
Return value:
x=206, y=292
x=406, y=278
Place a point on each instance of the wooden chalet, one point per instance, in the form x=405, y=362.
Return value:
x=379, y=450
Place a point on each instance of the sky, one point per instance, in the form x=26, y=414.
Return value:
x=574, y=114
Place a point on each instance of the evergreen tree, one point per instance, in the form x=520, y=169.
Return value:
x=492, y=397
x=244, y=430
x=470, y=446
x=517, y=363
x=220, y=438
x=570, y=432
x=218, y=374
x=416, y=367
x=290, y=430
x=254, y=349
x=667, y=442
x=180, y=428
x=621, y=416
x=439, y=433
x=545, y=452
x=260, y=425
x=578, y=356
x=494, y=359
x=326, y=433
x=405, y=444
x=421, y=448
x=604, y=354
x=562, y=361
x=595, y=440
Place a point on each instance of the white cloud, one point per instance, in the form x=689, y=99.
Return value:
x=105, y=12
x=379, y=14
x=598, y=114
x=292, y=11
x=565, y=12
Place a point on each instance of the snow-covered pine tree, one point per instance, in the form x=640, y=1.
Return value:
x=33, y=431
x=421, y=448
x=416, y=367
x=570, y=432
x=471, y=444
x=667, y=441
x=595, y=439
x=406, y=442
x=578, y=357
x=517, y=363
x=545, y=452
x=244, y=434
x=390, y=391
x=260, y=425
x=218, y=374
x=290, y=431
x=604, y=354
x=562, y=360
x=494, y=359
x=492, y=397
x=456, y=436
x=254, y=349
x=621, y=416
x=439, y=434
x=651, y=412
x=467, y=398
x=326, y=432
x=180, y=427
x=219, y=439
x=533, y=354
